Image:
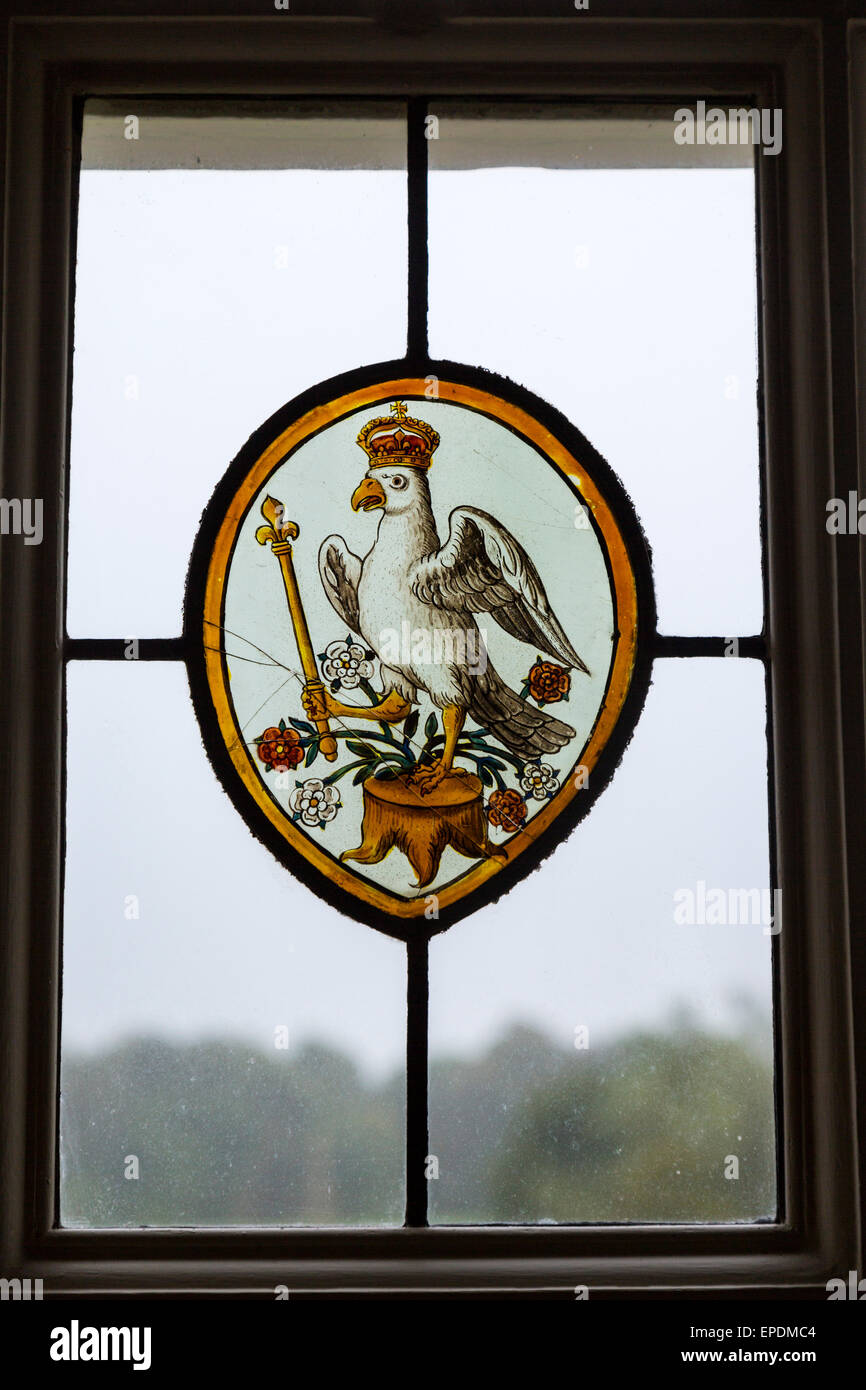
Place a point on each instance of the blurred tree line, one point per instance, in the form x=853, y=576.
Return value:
x=643, y=1129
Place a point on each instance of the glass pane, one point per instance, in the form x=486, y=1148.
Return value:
x=237, y=1038
x=612, y=271
x=226, y=262
x=601, y=1038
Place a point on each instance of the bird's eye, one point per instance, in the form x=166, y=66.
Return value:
x=398, y=481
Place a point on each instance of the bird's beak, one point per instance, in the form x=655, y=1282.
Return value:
x=368, y=495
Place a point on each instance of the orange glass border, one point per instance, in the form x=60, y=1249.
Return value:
x=625, y=590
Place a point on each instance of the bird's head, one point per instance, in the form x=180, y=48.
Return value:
x=392, y=490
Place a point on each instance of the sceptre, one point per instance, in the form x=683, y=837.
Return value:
x=281, y=533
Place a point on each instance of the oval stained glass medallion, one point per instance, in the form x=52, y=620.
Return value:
x=419, y=608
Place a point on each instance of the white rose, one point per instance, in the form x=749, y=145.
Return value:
x=314, y=801
x=346, y=664
x=539, y=781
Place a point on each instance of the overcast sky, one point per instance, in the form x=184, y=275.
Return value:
x=208, y=298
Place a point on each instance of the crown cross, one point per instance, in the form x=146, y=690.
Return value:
x=398, y=408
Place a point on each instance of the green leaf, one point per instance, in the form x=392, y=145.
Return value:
x=476, y=748
x=411, y=724
x=282, y=726
x=312, y=752
x=431, y=726
x=302, y=726
x=485, y=775
x=361, y=750
x=362, y=774
x=333, y=777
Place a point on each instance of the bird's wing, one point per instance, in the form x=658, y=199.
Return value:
x=340, y=573
x=481, y=567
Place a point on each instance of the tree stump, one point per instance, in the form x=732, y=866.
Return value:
x=396, y=814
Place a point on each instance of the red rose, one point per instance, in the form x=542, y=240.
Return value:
x=548, y=682
x=280, y=749
x=507, y=810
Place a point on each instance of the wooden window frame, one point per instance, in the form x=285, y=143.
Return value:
x=814, y=626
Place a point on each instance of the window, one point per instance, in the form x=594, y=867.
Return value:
x=170, y=246
x=716, y=708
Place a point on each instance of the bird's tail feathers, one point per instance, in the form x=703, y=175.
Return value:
x=523, y=729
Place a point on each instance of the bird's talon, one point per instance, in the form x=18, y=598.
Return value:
x=315, y=703
x=427, y=776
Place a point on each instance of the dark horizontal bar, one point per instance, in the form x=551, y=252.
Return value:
x=118, y=649
x=709, y=646
x=175, y=648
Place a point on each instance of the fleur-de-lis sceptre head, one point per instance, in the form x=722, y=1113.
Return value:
x=278, y=531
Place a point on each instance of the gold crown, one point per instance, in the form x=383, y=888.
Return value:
x=397, y=438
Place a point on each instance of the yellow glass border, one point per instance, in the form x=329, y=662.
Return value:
x=619, y=680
